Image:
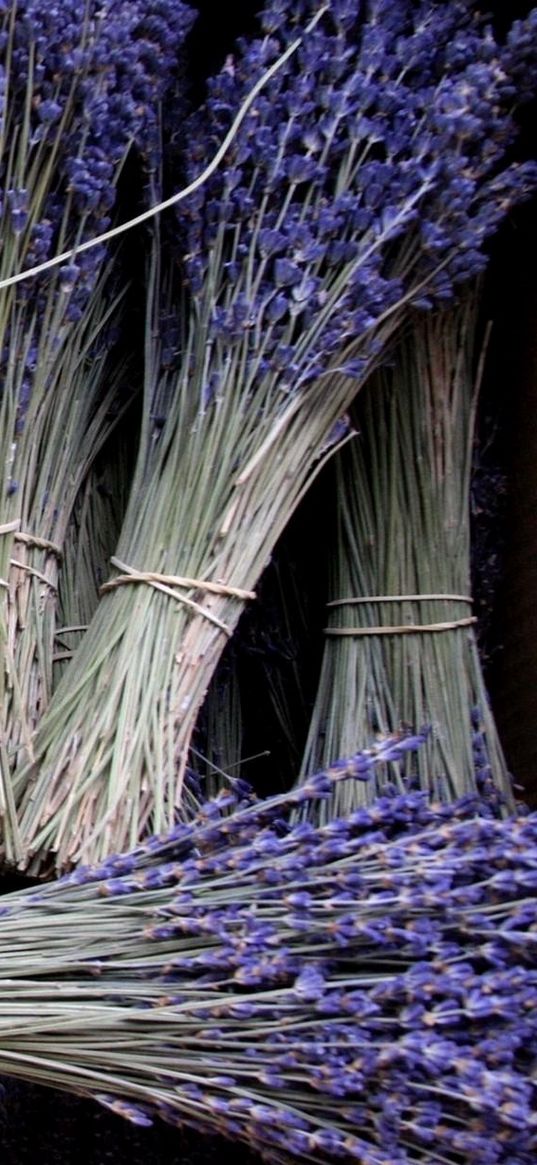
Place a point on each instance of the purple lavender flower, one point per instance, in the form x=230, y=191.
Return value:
x=92, y=78
x=424, y=96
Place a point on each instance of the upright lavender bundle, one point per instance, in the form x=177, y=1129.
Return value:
x=362, y=991
x=364, y=180
x=80, y=85
x=401, y=642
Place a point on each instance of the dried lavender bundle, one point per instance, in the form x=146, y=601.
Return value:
x=401, y=561
x=365, y=180
x=80, y=84
x=361, y=991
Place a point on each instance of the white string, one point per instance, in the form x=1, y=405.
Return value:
x=181, y=194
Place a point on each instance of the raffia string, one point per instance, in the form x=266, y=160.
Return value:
x=34, y=572
x=29, y=540
x=40, y=543
x=398, y=599
x=403, y=628
x=67, y=653
x=168, y=584
x=10, y=527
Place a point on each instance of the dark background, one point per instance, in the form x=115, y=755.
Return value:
x=38, y=1125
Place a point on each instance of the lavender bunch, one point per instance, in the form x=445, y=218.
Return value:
x=80, y=88
x=401, y=643
x=364, y=181
x=362, y=990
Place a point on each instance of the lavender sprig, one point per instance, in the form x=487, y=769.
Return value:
x=302, y=989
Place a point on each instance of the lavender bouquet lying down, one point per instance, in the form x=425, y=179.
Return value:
x=358, y=991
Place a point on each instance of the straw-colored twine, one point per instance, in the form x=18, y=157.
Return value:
x=401, y=628
x=29, y=540
x=169, y=584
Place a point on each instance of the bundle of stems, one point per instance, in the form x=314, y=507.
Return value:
x=343, y=200
x=74, y=98
x=76, y=400
x=299, y=988
x=90, y=539
x=401, y=642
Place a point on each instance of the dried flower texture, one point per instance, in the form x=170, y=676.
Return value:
x=364, y=182
x=360, y=991
x=80, y=88
x=400, y=642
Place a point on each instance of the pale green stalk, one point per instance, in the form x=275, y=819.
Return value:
x=69, y=419
x=211, y=495
x=105, y=990
x=213, y=490
x=90, y=539
x=402, y=520
x=58, y=403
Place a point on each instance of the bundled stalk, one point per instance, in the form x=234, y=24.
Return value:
x=363, y=181
x=400, y=642
x=90, y=539
x=79, y=85
x=300, y=989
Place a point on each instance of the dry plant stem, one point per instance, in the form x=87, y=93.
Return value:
x=57, y=449
x=241, y=430
x=90, y=540
x=65, y=135
x=287, y=958
x=104, y=778
x=31, y=599
x=402, y=496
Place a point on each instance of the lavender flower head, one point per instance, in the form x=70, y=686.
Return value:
x=375, y=1003
x=97, y=72
x=80, y=87
x=369, y=172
